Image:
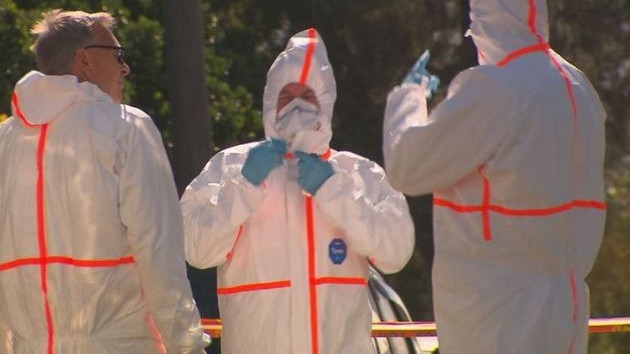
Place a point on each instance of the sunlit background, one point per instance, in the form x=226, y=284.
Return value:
x=371, y=44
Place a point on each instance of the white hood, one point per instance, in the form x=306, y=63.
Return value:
x=304, y=61
x=500, y=27
x=33, y=103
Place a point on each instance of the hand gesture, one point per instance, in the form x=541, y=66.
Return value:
x=262, y=159
x=419, y=75
x=312, y=171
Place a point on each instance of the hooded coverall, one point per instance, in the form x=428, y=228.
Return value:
x=514, y=157
x=91, y=246
x=293, y=268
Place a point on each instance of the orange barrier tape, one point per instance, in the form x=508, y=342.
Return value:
x=609, y=325
x=403, y=329
x=212, y=326
x=427, y=329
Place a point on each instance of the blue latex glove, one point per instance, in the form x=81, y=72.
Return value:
x=313, y=171
x=419, y=75
x=262, y=159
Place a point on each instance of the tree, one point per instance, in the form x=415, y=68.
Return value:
x=16, y=58
x=187, y=89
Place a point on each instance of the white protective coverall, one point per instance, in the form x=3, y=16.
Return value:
x=292, y=269
x=514, y=158
x=91, y=240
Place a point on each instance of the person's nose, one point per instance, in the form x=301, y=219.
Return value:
x=126, y=70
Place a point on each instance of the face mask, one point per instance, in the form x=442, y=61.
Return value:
x=297, y=116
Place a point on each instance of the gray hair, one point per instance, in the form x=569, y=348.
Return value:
x=60, y=33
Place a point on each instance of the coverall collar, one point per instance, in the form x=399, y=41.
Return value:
x=38, y=99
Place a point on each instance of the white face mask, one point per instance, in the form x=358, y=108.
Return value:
x=297, y=116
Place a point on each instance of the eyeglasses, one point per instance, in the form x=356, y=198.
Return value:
x=121, y=51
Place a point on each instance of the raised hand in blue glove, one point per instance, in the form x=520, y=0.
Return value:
x=419, y=75
x=312, y=171
x=262, y=159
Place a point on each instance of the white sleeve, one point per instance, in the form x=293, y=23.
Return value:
x=215, y=205
x=374, y=217
x=150, y=211
x=424, y=153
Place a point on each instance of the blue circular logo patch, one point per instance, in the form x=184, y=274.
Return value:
x=337, y=251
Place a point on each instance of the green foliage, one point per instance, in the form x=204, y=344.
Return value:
x=608, y=281
x=144, y=46
x=139, y=29
x=371, y=44
x=16, y=59
x=235, y=117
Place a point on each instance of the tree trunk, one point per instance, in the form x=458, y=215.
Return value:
x=187, y=88
x=192, y=127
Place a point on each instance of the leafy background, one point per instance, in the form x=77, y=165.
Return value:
x=371, y=44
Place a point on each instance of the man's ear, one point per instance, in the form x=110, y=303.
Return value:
x=81, y=64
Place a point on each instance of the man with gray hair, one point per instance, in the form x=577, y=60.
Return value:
x=91, y=245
